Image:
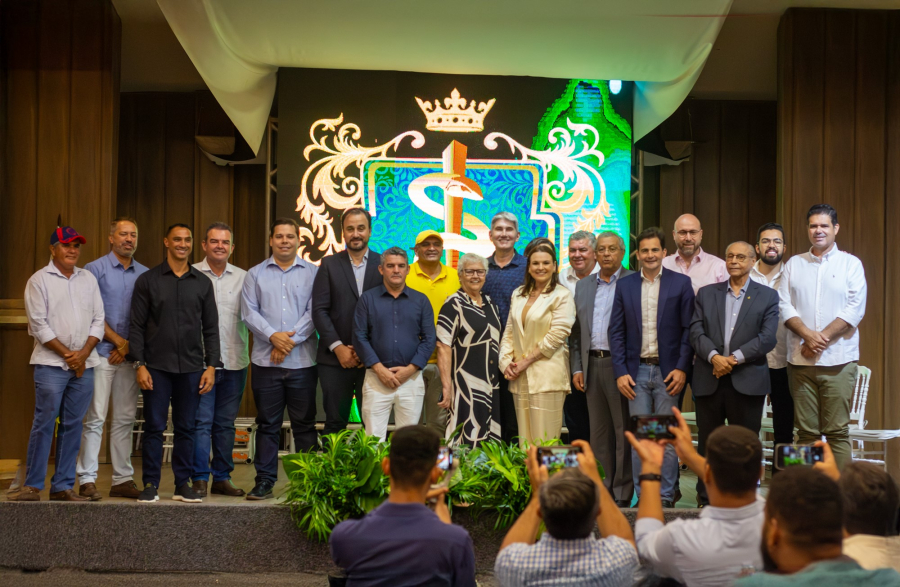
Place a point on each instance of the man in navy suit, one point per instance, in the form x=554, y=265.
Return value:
x=648, y=338
x=733, y=328
x=341, y=279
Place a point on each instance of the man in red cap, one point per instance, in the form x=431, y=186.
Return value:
x=65, y=317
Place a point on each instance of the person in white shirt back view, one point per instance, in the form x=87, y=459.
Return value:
x=723, y=544
x=823, y=300
x=871, y=507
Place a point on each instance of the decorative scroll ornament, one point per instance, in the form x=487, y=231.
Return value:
x=454, y=116
x=331, y=169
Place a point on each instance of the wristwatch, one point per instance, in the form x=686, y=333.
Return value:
x=649, y=477
x=138, y=364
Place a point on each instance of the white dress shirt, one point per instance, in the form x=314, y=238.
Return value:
x=67, y=309
x=714, y=550
x=569, y=279
x=777, y=357
x=234, y=338
x=874, y=552
x=818, y=290
x=649, y=308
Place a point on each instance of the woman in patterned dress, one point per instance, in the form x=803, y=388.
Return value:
x=468, y=332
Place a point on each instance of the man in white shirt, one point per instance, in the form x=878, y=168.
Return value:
x=823, y=300
x=871, y=502
x=767, y=271
x=65, y=317
x=219, y=408
x=690, y=258
x=723, y=544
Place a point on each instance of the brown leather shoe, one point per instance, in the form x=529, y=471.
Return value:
x=67, y=495
x=26, y=494
x=199, y=486
x=125, y=489
x=89, y=490
x=227, y=488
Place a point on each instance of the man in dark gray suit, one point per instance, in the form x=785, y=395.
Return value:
x=341, y=279
x=733, y=328
x=592, y=371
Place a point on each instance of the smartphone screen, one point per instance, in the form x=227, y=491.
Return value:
x=558, y=457
x=653, y=426
x=791, y=455
x=445, y=458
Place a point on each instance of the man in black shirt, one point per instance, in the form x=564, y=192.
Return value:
x=175, y=345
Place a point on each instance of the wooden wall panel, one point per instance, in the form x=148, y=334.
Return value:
x=839, y=143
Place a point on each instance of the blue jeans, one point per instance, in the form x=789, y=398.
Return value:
x=183, y=390
x=275, y=388
x=215, y=425
x=651, y=397
x=57, y=394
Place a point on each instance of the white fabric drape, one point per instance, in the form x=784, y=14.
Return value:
x=238, y=45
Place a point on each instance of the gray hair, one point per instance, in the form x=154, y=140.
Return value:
x=746, y=244
x=471, y=259
x=508, y=216
x=394, y=252
x=583, y=235
x=609, y=233
x=218, y=226
x=115, y=223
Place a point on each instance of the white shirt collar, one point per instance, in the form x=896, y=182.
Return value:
x=204, y=266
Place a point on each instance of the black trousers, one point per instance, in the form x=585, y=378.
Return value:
x=729, y=404
x=339, y=385
x=505, y=405
x=782, y=406
x=575, y=410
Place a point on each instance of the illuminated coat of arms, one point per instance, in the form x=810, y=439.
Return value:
x=574, y=176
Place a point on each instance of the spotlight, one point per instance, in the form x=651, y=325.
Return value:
x=615, y=86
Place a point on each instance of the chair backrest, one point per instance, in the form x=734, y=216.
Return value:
x=860, y=395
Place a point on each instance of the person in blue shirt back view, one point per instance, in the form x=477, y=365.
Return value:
x=402, y=542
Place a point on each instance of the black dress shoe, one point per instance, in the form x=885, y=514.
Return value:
x=199, y=486
x=667, y=504
x=623, y=503
x=262, y=490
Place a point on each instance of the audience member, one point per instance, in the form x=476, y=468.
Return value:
x=402, y=542
x=871, y=505
x=802, y=536
x=276, y=302
x=468, y=347
x=568, y=503
x=823, y=300
x=592, y=370
x=533, y=352
x=723, y=543
x=394, y=334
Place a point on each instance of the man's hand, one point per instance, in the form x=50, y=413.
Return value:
x=816, y=341
x=676, y=381
x=578, y=381
x=684, y=447
x=587, y=462
x=807, y=352
x=123, y=348
x=346, y=356
x=387, y=377
x=537, y=472
x=721, y=366
x=403, y=373
x=207, y=380
x=828, y=464
x=79, y=371
x=277, y=357
x=649, y=451
x=143, y=378
x=626, y=386
x=282, y=341
x=440, y=503
x=511, y=372
x=115, y=358
x=447, y=396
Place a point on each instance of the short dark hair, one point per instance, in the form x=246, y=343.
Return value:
x=178, y=225
x=734, y=454
x=218, y=226
x=282, y=222
x=808, y=504
x=115, y=222
x=569, y=504
x=769, y=226
x=413, y=454
x=871, y=500
x=354, y=211
x=394, y=251
x=652, y=232
x=826, y=209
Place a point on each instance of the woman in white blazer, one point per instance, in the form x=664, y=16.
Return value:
x=534, y=355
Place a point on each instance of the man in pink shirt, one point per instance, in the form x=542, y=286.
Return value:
x=691, y=259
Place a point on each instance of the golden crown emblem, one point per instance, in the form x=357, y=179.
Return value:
x=454, y=116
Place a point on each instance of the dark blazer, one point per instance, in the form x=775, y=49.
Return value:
x=334, y=301
x=754, y=335
x=580, y=339
x=673, y=322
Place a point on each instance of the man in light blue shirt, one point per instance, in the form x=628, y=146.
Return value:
x=114, y=378
x=276, y=304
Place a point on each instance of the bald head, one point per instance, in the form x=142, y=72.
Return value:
x=739, y=258
x=687, y=222
x=687, y=235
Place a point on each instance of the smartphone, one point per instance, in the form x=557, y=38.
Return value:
x=445, y=458
x=558, y=457
x=790, y=455
x=653, y=426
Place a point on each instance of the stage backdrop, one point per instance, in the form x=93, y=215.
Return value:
x=447, y=152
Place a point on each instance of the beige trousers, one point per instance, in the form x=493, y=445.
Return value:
x=540, y=415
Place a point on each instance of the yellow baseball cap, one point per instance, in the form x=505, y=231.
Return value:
x=425, y=234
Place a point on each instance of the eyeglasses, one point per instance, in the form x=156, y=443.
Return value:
x=611, y=250
x=476, y=272
x=738, y=258
x=684, y=233
x=771, y=241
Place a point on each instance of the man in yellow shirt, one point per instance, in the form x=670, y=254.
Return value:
x=437, y=281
